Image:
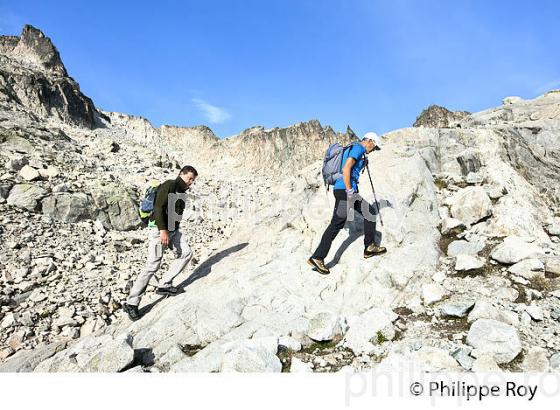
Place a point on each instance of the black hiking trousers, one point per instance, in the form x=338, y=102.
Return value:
x=340, y=214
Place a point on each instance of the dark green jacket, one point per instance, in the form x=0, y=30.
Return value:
x=170, y=186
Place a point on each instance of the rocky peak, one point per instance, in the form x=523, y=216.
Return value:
x=36, y=49
x=34, y=80
x=436, y=116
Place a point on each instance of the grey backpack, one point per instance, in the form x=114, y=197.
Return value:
x=332, y=164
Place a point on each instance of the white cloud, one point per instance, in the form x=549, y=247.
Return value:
x=213, y=113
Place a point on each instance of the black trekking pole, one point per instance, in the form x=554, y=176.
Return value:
x=351, y=133
x=374, y=196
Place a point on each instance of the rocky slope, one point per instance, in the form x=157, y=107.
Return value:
x=469, y=282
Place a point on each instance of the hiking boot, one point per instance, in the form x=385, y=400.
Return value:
x=131, y=311
x=168, y=291
x=319, y=265
x=373, y=250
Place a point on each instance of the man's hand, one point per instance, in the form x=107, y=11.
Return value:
x=164, y=237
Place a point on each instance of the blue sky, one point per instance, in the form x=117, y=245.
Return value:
x=236, y=64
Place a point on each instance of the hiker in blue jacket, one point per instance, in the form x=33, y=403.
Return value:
x=346, y=197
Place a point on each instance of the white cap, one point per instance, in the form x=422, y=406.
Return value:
x=373, y=136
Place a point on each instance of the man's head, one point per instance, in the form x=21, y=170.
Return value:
x=188, y=174
x=371, y=141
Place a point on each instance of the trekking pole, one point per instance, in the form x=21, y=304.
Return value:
x=374, y=196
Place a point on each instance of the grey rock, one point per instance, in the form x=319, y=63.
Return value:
x=463, y=357
x=496, y=338
x=462, y=247
x=26, y=361
x=470, y=205
x=105, y=354
x=528, y=269
x=555, y=362
x=449, y=224
x=514, y=249
x=552, y=265
x=456, y=308
x=468, y=262
x=29, y=173
x=484, y=310
x=554, y=227
x=535, y=312
x=26, y=196
x=323, y=326
x=5, y=189
x=120, y=207
x=68, y=207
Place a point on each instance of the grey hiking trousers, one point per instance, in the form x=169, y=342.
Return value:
x=183, y=255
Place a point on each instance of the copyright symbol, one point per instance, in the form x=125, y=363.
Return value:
x=416, y=389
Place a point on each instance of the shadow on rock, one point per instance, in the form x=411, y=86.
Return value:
x=206, y=267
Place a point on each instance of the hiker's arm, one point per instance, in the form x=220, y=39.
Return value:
x=346, y=171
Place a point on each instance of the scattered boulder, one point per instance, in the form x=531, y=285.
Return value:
x=68, y=207
x=450, y=224
x=555, y=362
x=552, y=265
x=528, y=268
x=26, y=196
x=462, y=247
x=5, y=189
x=514, y=249
x=323, y=326
x=468, y=262
x=118, y=206
x=554, y=228
x=470, y=205
x=484, y=310
x=463, y=357
x=29, y=173
x=496, y=338
x=456, y=308
x=469, y=160
x=535, y=312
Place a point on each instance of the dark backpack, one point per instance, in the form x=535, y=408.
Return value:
x=146, y=208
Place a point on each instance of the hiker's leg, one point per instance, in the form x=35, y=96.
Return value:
x=155, y=253
x=369, y=212
x=183, y=255
x=337, y=223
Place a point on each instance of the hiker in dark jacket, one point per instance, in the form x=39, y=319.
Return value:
x=346, y=197
x=164, y=232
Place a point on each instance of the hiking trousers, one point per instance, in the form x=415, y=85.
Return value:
x=340, y=214
x=183, y=254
